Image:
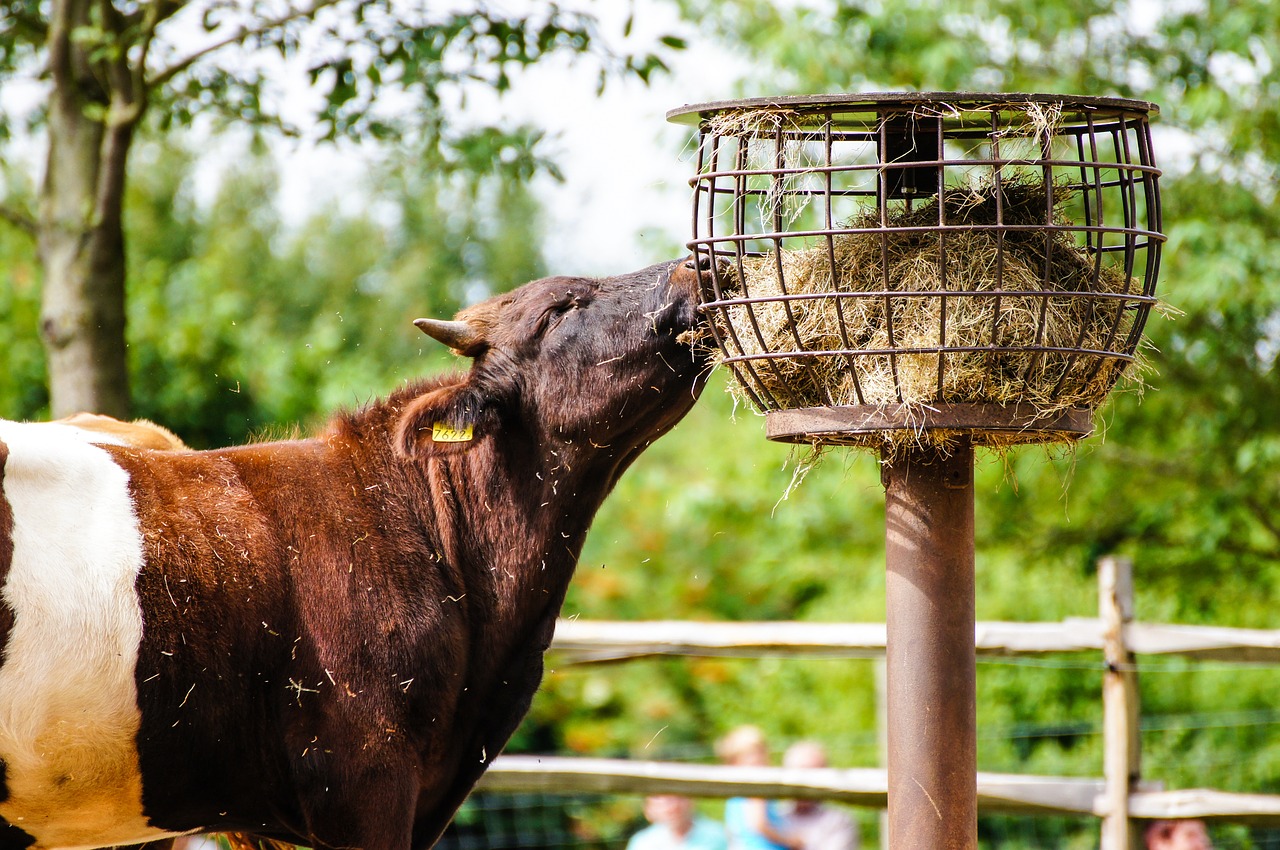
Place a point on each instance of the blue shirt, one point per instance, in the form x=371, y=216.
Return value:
x=741, y=834
x=705, y=834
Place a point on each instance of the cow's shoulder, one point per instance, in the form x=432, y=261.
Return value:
x=62, y=471
x=197, y=513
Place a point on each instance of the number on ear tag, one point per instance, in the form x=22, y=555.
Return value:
x=444, y=433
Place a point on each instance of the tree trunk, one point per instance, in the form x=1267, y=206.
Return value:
x=80, y=233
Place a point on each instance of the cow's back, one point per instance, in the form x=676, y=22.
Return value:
x=149, y=624
x=71, y=554
x=324, y=640
x=271, y=595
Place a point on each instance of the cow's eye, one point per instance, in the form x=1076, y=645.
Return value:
x=553, y=315
x=570, y=302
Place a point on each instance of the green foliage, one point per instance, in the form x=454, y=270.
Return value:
x=384, y=71
x=215, y=60
x=22, y=384
x=241, y=326
x=1185, y=482
x=22, y=387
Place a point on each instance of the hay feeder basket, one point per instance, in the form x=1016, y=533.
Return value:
x=982, y=263
x=919, y=274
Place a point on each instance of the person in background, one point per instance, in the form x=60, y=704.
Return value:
x=1177, y=835
x=751, y=824
x=675, y=826
x=815, y=825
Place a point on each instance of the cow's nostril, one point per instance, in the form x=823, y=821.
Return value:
x=700, y=262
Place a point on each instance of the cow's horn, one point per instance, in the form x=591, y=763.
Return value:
x=459, y=336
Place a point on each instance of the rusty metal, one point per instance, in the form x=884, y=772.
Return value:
x=843, y=103
x=860, y=162
x=931, y=694
x=1009, y=425
x=911, y=140
x=865, y=156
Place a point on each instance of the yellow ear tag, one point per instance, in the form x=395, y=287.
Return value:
x=443, y=433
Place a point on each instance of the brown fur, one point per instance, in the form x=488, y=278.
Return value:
x=341, y=632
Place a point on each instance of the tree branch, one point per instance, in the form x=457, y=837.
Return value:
x=154, y=15
x=113, y=70
x=162, y=10
x=1263, y=515
x=241, y=35
x=19, y=219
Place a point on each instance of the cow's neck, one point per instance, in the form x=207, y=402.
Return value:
x=522, y=511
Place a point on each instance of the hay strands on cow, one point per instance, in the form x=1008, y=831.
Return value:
x=323, y=641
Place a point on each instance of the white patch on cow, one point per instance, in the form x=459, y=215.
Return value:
x=68, y=701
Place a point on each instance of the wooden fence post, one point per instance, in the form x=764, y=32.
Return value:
x=1122, y=745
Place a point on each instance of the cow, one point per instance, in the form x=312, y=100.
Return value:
x=140, y=433
x=321, y=641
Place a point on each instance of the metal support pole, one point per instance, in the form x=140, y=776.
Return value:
x=932, y=702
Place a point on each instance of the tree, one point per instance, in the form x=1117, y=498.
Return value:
x=109, y=64
x=240, y=325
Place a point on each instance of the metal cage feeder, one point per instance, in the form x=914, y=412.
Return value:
x=867, y=188
x=863, y=258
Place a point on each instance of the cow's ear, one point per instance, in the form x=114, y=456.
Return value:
x=448, y=419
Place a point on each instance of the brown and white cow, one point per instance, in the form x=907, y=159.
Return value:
x=139, y=433
x=321, y=641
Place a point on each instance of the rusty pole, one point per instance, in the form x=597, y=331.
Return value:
x=932, y=702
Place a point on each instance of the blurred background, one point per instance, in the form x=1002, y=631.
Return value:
x=299, y=183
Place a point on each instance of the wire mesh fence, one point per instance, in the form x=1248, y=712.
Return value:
x=496, y=821
x=1205, y=725
x=1202, y=749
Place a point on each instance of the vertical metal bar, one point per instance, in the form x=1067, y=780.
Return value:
x=1151, y=221
x=1122, y=743
x=1047, y=283
x=997, y=174
x=1091, y=217
x=837, y=284
x=1154, y=219
x=756, y=389
x=939, y=142
x=1128, y=192
x=882, y=209
x=1129, y=205
x=933, y=799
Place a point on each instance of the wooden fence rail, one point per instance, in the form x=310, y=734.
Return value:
x=603, y=640
x=997, y=792
x=1119, y=798
x=856, y=786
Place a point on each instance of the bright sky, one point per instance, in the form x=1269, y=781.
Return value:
x=625, y=199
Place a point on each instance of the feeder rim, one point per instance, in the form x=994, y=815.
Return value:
x=1019, y=422
x=695, y=113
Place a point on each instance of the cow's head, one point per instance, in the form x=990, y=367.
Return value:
x=592, y=363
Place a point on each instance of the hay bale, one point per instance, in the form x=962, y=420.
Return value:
x=992, y=346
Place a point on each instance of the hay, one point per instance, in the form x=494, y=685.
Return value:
x=873, y=271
